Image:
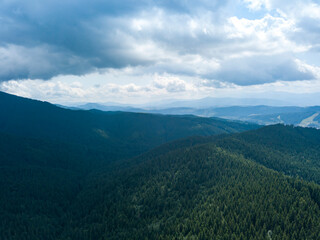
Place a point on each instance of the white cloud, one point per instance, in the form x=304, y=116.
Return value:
x=170, y=84
x=65, y=89
x=267, y=36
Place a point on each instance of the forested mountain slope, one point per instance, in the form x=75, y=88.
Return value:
x=294, y=151
x=196, y=192
x=39, y=181
x=56, y=180
x=195, y=188
x=119, y=134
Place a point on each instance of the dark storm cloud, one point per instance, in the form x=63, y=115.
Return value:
x=74, y=37
x=261, y=69
x=64, y=35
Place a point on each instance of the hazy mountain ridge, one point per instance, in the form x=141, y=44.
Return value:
x=259, y=114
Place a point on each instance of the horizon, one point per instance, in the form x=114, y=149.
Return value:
x=230, y=101
x=201, y=103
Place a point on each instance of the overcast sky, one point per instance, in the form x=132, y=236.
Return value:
x=138, y=51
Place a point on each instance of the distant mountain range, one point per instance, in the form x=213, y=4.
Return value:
x=260, y=114
x=207, y=102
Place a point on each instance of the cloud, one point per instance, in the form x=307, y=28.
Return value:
x=262, y=69
x=170, y=84
x=19, y=62
x=308, y=24
x=173, y=39
x=64, y=89
x=80, y=36
x=304, y=14
x=69, y=89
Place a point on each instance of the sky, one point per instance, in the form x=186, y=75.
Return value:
x=141, y=51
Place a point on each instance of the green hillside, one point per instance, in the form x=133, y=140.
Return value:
x=39, y=181
x=118, y=134
x=199, y=192
x=188, y=189
x=61, y=176
x=294, y=151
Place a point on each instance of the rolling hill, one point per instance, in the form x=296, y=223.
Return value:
x=118, y=134
x=209, y=188
x=70, y=174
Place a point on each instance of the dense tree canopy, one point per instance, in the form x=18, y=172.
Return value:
x=258, y=184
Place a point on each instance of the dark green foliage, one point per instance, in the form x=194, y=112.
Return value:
x=118, y=134
x=39, y=181
x=202, y=192
x=196, y=188
x=61, y=177
x=294, y=151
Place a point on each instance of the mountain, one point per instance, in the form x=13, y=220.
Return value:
x=263, y=115
x=241, y=111
x=259, y=184
x=102, y=107
x=293, y=151
x=73, y=174
x=210, y=102
x=299, y=116
x=243, y=186
x=118, y=134
x=207, y=102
